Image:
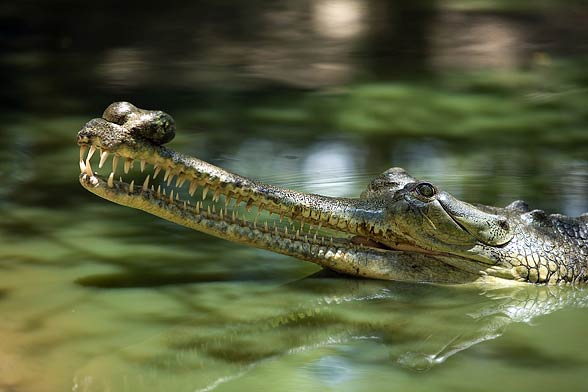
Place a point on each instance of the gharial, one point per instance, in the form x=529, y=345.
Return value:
x=400, y=228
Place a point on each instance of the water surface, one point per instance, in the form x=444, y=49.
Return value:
x=96, y=296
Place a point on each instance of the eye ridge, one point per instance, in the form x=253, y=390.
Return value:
x=426, y=189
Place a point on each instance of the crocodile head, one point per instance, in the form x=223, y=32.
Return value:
x=417, y=215
x=400, y=228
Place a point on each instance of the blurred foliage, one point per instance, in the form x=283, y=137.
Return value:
x=548, y=102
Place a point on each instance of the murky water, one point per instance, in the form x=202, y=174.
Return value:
x=486, y=99
x=97, y=297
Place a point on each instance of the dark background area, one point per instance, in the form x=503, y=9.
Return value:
x=65, y=56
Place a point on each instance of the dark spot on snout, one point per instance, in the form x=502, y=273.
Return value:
x=503, y=224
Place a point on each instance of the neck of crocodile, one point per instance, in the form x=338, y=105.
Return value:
x=371, y=236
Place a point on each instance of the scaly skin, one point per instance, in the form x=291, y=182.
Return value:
x=400, y=228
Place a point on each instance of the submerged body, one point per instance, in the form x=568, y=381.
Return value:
x=400, y=228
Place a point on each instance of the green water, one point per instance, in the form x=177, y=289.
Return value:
x=488, y=99
x=98, y=297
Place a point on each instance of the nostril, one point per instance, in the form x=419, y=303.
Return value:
x=118, y=112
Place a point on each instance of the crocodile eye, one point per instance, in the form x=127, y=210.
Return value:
x=425, y=189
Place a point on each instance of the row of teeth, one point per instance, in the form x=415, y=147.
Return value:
x=307, y=231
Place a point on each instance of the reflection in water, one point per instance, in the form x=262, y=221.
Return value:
x=328, y=319
x=326, y=166
x=576, y=189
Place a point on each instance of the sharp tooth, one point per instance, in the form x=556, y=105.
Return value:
x=193, y=186
x=158, y=190
x=92, y=151
x=164, y=194
x=89, y=169
x=111, y=180
x=142, y=165
x=198, y=207
x=166, y=175
x=146, y=183
x=216, y=195
x=127, y=165
x=180, y=181
x=171, y=196
x=82, y=167
x=204, y=192
x=83, y=150
x=221, y=214
x=103, y=157
x=132, y=186
x=114, y=162
x=185, y=205
x=156, y=172
x=169, y=179
x=177, y=196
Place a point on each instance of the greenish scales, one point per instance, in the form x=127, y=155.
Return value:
x=400, y=228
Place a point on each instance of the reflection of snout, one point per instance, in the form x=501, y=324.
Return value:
x=488, y=228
